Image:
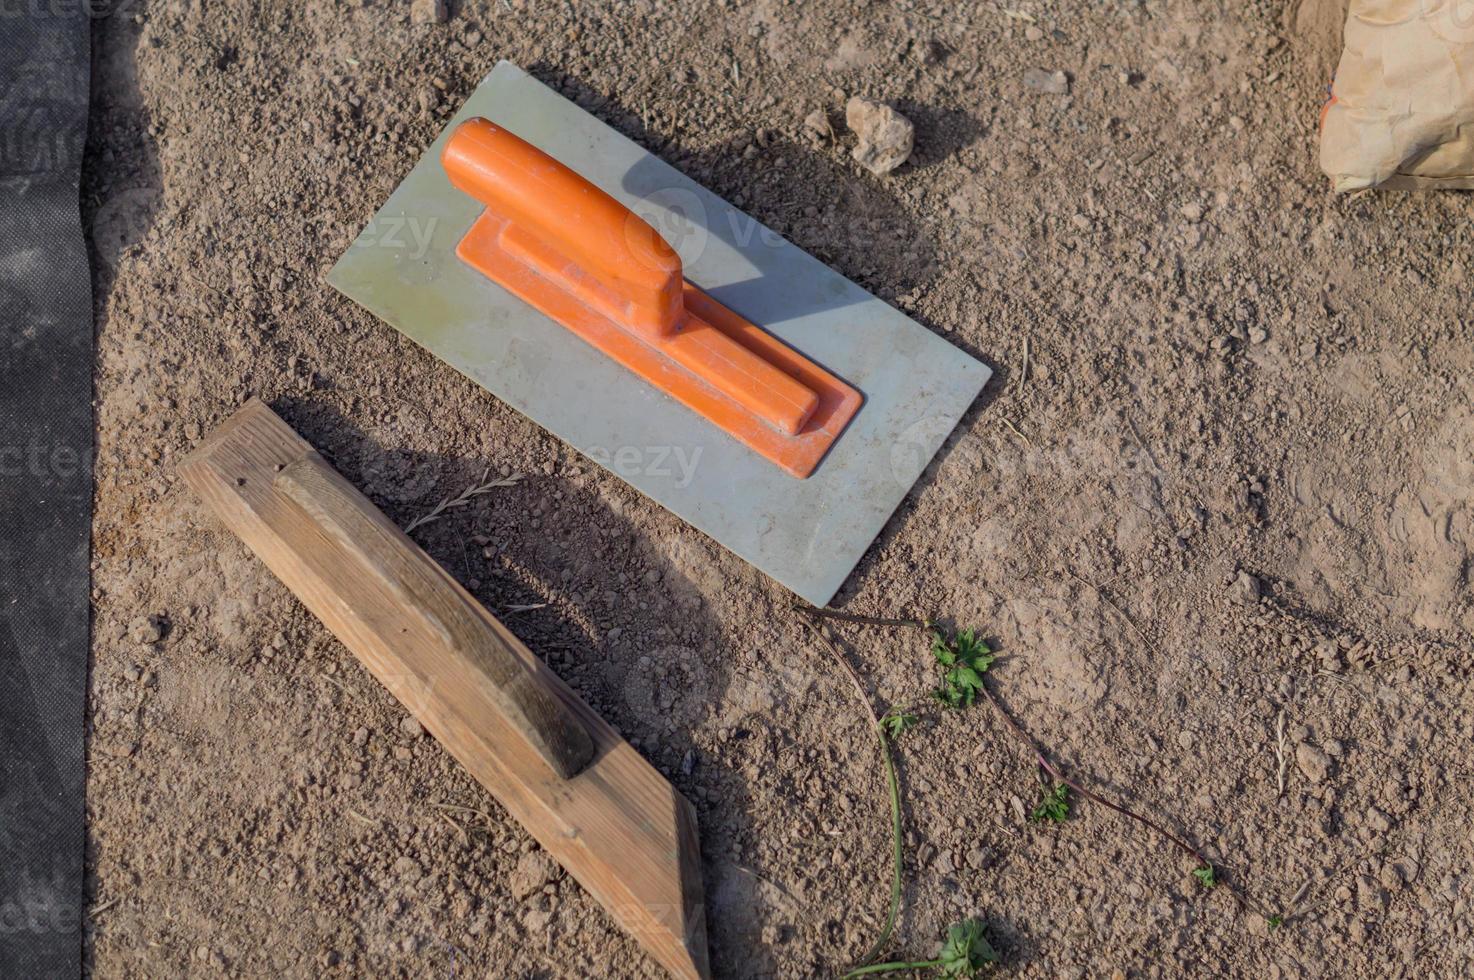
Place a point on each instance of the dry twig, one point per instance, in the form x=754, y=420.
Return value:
x=466, y=496
x=1279, y=751
x=893, y=785
x=1112, y=603
x=827, y=613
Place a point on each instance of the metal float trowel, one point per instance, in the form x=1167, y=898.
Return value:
x=717, y=368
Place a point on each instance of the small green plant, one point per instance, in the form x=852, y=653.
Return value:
x=1054, y=807
x=965, y=953
x=963, y=660
x=896, y=722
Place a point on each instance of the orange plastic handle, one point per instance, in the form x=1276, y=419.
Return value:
x=603, y=254
x=558, y=219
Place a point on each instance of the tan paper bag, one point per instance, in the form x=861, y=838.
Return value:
x=1401, y=113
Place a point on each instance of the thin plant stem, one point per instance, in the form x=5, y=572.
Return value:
x=1060, y=776
x=893, y=784
x=897, y=855
x=895, y=967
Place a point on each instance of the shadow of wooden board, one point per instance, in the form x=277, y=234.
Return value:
x=604, y=813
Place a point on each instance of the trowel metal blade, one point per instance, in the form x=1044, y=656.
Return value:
x=808, y=534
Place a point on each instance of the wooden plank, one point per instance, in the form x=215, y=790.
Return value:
x=452, y=640
x=618, y=827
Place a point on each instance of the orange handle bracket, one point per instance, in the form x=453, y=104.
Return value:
x=568, y=227
x=590, y=263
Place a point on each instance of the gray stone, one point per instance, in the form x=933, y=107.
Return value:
x=1314, y=764
x=429, y=12
x=147, y=629
x=533, y=871
x=1048, y=82
x=1246, y=588
x=886, y=136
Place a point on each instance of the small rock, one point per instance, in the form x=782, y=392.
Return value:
x=121, y=749
x=944, y=863
x=1246, y=588
x=886, y=136
x=428, y=12
x=1033, y=33
x=688, y=762
x=361, y=736
x=1258, y=335
x=411, y=727
x=1192, y=211
x=1369, y=894
x=977, y=859
x=536, y=921
x=147, y=629
x=1378, y=821
x=533, y=871
x=1314, y=764
x=132, y=673
x=1048, y=82
x=407, y=867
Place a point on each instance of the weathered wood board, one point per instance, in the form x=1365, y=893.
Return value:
x=604, y=813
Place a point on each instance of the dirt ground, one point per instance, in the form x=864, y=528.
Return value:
x=1221, y=486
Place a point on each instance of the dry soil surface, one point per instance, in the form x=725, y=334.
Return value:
x=1215, y=508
